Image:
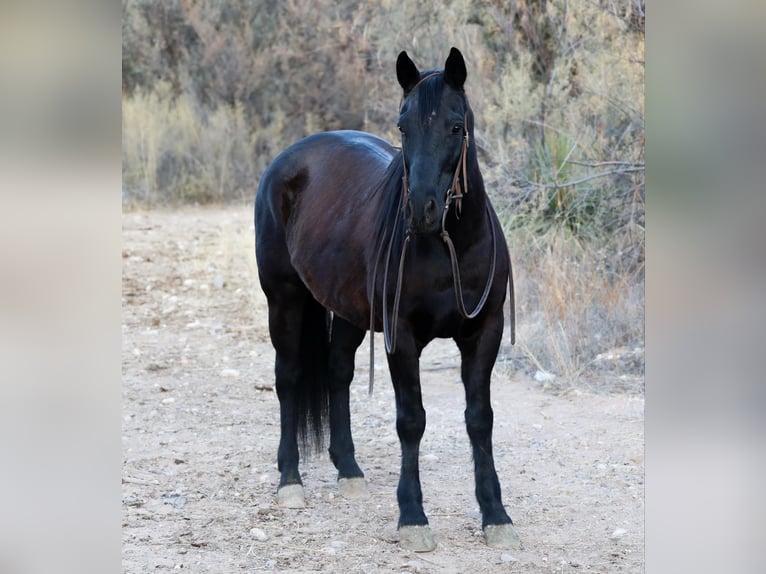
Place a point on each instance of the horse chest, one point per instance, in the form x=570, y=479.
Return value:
x=432, y=311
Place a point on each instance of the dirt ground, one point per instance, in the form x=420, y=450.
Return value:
x=201, y=426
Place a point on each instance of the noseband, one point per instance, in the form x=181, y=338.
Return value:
x=455, y=194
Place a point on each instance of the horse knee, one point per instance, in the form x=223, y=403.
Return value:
x=479, y=421
x=411, y=425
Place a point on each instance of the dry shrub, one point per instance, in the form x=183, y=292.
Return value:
x=572, y=306
x=174, y=152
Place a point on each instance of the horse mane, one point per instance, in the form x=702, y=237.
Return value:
x=391, y=187
x=430, y=90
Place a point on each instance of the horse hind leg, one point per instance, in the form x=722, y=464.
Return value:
x=345, y=340
x=298, y=328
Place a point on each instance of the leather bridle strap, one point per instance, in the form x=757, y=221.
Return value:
x=455, y=192
x=389, y=332
x=456, y=272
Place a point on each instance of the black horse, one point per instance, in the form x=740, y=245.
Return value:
x=353, y=234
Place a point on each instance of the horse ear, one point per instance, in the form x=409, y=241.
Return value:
x=454, y=70
x=406, y=72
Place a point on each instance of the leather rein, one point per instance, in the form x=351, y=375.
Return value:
x=455, y=194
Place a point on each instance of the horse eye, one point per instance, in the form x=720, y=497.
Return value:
x=401, y=129
x=457, y=128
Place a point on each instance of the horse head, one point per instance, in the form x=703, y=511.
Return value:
x=436, y=124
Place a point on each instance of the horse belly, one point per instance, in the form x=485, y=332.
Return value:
x=336, y=275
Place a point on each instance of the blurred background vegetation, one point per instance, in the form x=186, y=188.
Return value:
x=213, y=90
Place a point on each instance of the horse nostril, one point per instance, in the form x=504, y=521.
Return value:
x=431, y=211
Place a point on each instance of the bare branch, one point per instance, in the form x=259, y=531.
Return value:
x=603, y=163
x=587, y=178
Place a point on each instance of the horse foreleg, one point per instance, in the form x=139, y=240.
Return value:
x=478, y=358
x=344, y=342
x=414, y=532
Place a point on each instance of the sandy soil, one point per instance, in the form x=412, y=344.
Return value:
x=201, y=424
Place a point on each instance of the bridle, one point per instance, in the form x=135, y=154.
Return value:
x=454, y=194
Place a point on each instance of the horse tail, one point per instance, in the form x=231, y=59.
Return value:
x=313, y=392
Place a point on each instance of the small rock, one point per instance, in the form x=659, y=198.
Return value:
x=132, y=501
x=232, y=373
x=508, y=558
x=258, y=534
x=618, y=533
x=218, y=282
x=175, y=500
x=338, y=543
x=544, y=376
x=430, y=457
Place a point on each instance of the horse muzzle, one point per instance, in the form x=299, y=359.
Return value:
x=423, y=216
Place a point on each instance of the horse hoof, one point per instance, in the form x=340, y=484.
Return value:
x=416, y=538
x=502, y=536
x=291, y=496
x=353, y=488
